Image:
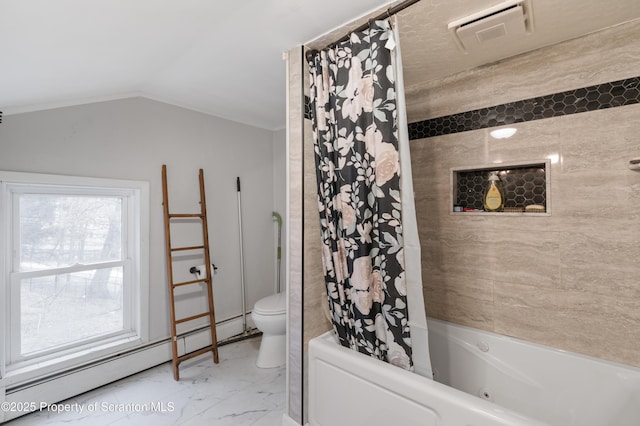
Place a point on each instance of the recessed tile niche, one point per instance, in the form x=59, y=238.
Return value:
x=524, y=184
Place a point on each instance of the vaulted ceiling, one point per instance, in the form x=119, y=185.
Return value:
x=224, y=58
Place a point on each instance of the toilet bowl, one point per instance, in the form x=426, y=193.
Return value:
x=270, y=316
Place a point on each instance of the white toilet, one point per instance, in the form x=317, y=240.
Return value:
x=270, y=316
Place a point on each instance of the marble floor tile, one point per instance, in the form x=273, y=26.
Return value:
x=232, y=393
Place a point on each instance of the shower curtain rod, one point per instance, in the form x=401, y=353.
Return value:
x=387, y=14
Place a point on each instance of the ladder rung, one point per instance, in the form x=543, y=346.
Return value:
x=204, y=250
x=193, y=354
x=187, y=248
x=202, y=280
x=180, y=321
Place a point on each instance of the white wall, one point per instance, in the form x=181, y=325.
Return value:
x=279, y=193
x=131, y=139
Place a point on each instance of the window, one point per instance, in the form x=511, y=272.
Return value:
x=73, y=260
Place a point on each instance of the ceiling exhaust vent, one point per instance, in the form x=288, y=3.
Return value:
x=500, y=25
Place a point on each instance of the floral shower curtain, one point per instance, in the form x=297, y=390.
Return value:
x=353, y=111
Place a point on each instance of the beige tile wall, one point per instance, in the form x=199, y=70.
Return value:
x=570, y=280
x=597, y=58
x=315, y=299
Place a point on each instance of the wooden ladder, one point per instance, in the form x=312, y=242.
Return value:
x=213, y=347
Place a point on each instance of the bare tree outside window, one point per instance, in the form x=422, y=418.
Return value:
x=67, y=231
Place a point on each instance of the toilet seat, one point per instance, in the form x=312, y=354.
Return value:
x=271, y=305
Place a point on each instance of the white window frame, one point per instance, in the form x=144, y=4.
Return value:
x=14, y=368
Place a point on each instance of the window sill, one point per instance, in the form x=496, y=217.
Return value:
x=22, y=373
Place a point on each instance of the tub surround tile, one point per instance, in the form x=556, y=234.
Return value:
x=440, y=150
x=598, y=280
x=576, y=301
x=545, y=326
x=438, y=206
x=315, y=322
x=588, y=136
x=571, y=321
x=485, y=250
x=567, y=280
x=597, y=58
x=591, y=98
x=529, y=257
x=459, y=259
x=457, y=299
x=595, y=194
x=600, y=247
x=530, y=226
x=460, y=309
x=455, y=286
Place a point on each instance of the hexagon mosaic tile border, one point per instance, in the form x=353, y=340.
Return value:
x=600, y=96
x=591, y=98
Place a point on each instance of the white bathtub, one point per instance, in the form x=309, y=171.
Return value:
x=483, y=379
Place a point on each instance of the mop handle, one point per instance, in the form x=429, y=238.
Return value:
x=242, y=283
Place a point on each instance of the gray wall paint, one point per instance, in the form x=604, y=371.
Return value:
x=131, y=139
x=279, y=194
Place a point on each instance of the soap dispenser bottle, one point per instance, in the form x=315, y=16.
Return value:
x=494, y=194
